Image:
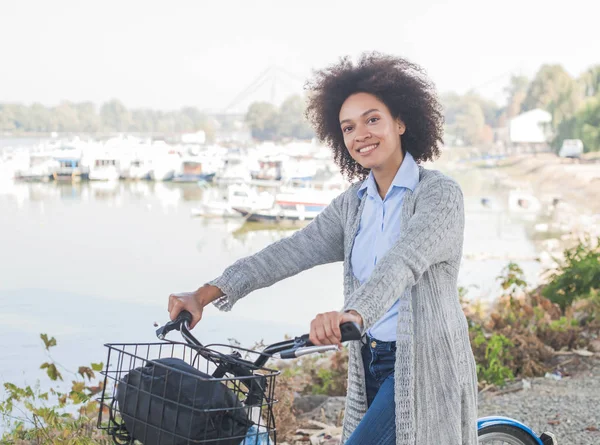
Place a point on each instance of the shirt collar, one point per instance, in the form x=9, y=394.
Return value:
x=407, y=176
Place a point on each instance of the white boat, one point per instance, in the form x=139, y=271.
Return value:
x=195, y=169
x=70, y=166
x=11, y=163
x=104, y=169
x=239, y=196
x=236, y=170
x=304, y=170
x=292, y=206
x=165, y=166
x=268, y=168
x=523, y=202
x=139, y=168
x=41, y=167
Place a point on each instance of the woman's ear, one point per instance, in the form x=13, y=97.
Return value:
x=401, y=127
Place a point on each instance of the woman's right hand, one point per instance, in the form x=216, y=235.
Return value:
x=193, y=302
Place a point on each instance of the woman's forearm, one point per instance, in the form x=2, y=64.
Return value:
x=321, y=242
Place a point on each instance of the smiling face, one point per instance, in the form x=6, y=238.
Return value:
x=371, y=133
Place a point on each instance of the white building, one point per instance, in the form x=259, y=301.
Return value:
x=531, y=128
x=199, y=137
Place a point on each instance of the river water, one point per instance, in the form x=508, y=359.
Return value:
x=93, y=263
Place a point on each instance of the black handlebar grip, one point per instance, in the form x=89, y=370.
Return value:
x=184, y=316
x=288, y=354
x=350, y=331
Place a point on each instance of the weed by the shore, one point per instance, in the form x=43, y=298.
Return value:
x=54, y=417
x=577, y=275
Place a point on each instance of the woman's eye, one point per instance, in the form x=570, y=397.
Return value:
x=373, y=119
x=346, y=129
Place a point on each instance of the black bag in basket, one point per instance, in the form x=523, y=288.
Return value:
x=175, y=404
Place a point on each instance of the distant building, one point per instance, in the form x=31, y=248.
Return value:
x=199, y=137
x=531, y=129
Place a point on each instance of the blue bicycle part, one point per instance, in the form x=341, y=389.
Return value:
x=504, y=430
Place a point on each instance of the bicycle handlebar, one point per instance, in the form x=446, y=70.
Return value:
x=183, y=319
x=288, y=349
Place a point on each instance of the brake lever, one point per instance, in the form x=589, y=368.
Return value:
x=299, y=352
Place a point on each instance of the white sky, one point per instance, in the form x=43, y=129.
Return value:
x=167, y=54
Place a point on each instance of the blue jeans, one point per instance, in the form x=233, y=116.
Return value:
x=378, y=426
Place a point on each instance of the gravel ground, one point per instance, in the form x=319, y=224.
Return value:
x=569, y=407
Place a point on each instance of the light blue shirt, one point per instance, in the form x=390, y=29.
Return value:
x=378, y=231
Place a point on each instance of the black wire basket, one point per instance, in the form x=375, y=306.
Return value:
x=172, y=393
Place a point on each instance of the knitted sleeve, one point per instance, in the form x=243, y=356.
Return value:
x=434, y=234
x=320, y=242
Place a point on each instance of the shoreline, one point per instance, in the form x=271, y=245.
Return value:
x=568, y=192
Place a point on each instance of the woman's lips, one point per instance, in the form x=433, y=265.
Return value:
x=368, y=149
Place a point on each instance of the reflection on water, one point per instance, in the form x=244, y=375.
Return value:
x=94, y=262
x=492, y=233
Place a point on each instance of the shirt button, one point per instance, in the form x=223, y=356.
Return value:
x=373, y=344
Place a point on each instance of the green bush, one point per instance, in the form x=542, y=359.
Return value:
x=578, y=274
x=493, y=367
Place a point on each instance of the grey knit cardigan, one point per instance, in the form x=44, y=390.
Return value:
x=435, y=387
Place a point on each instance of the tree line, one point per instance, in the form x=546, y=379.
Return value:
x=111, y=117
x=574, y=104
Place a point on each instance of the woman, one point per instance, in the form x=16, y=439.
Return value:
x=399, y=231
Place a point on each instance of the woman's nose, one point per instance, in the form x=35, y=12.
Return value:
x=362, y=134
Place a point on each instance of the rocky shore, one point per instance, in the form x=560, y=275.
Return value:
x=565, y=402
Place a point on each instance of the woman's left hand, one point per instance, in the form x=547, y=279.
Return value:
x=325, y=328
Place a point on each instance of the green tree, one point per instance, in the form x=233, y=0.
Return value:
x=291, y=119
x=115, y=116
x=7, y=118
x=585, y=125
x=470, y=122
x=452, y=104
x=555, y=91
x=491, y=110
x=590, y=81
x=66, y=117
x=588, y=124
x=469, y=117
x=263, y=120
x=14, y=117
x=39, y=119
x=89, y=120
x=516, y=92
x=143, y=120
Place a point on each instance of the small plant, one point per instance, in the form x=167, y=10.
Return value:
x=562, y=324
x=31, y=415
x=493, y=368
x=512, y=279
x=327, y=377
x=578, y=274
x=560, y=334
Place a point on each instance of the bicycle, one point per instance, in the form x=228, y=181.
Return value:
x=241, y=413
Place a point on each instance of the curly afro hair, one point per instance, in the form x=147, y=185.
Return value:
x=401, y=85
